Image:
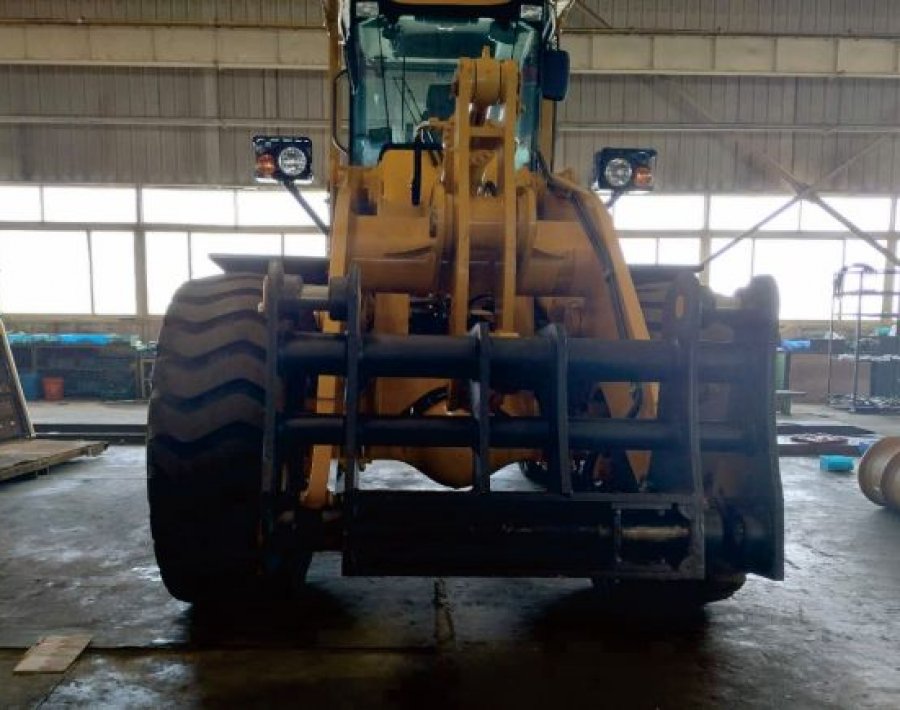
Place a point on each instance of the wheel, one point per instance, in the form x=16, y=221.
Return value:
x=204, y=447
x=664, y=596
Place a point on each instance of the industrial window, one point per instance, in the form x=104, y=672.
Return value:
x=804, y=270
x=202, y=245
x=267, y=208
x=20, y=204
x=319, y=201
x=679, y=251
x=305, y=245
x=90, y=204
x=660, y=212
x=742, y=212
x=183, y=206
x=639, y=250
x=733, y=269
x=44, y=272
x=871, y=214
x=79, y=271
x=112, y=273
x=168, y=266
x=276, y=208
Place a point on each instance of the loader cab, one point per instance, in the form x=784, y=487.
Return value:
x=401, y=59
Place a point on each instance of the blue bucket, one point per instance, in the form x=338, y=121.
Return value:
x=31, y=385
x=836, y=464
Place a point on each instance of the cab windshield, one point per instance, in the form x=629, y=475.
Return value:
x=406, y=66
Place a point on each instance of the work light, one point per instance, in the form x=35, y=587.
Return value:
x=624, y=169
x=283, y=158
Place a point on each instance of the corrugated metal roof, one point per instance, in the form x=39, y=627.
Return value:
x=770, y=109
x=782, y=16
x=294, y=12
x=746, y=16
x=192, y=126
x=174, y=136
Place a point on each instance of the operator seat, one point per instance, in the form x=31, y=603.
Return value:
x=439, y=102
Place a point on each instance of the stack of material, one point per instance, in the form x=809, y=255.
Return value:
x=95, y=365
x=20, y=451
x=14, y=420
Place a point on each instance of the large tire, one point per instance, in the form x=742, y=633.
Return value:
x=205, y=432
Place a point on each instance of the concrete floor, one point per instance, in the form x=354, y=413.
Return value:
x=75, y=555
x=81, y=411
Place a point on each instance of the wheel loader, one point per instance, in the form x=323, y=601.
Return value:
x=474, y=314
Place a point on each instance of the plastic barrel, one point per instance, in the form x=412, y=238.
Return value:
x=54, y=388
x=31, y=385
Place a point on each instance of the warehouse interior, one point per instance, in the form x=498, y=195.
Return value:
x=126, y=165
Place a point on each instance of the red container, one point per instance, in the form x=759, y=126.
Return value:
x=54, y=388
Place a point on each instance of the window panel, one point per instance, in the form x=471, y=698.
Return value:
x=732, y=270
x=319, y=200
x=659, y=212
x=167, y=268
x=44, y=272
x=89, y=204
x=679, y=251
x=871, y=214
x=202, y=245
x=742, y=212
x=804, y=270
x=185, y=206
x=20, y=204
x=856, y=251
x=638, y=251
x=112, y=256
x=266, y=208
x=305, y=245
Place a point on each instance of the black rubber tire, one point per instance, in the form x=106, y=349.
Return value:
x=205, y=431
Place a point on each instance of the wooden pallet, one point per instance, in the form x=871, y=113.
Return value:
x=23, y=456
x=14, y=420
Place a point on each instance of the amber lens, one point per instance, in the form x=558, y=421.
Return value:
x=265, y=165
x=643, y=177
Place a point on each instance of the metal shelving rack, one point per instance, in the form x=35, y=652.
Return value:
x=852, y=285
